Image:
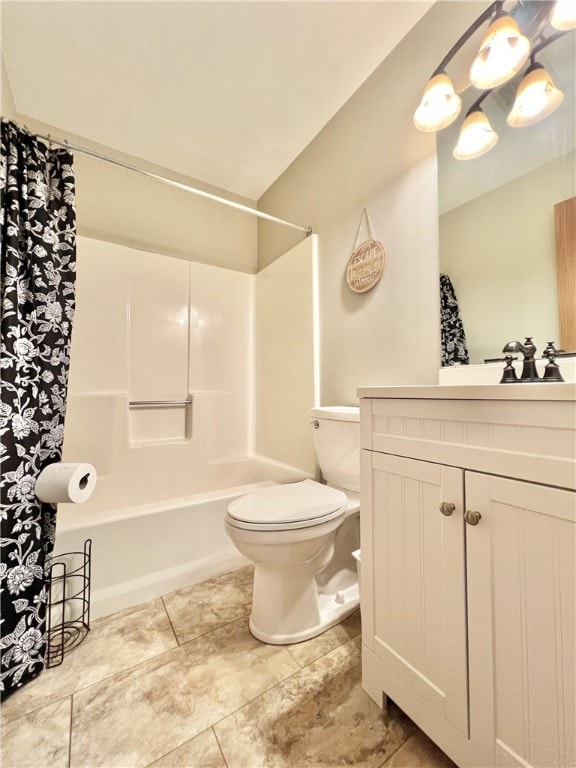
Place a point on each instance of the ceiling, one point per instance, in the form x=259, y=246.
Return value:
x=228, y=93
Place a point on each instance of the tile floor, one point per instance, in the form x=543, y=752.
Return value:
x=180, y=682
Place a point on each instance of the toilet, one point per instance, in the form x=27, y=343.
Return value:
x=300, y=537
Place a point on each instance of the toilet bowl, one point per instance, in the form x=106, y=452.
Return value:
x=300, y=537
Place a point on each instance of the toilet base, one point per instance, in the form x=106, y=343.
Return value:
x=303, y=589
x=332, y=609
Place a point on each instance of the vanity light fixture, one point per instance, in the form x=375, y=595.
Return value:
x=537, y=97
x=503, y=52
x=476, y=136
x=564, y=15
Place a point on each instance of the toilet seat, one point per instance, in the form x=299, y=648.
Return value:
x=287, y=507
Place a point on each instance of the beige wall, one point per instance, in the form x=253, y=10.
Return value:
x=370, y=155
x=7, y=106
x=504, y=272
x=285, y=354
x=391, y=334
x=123, y=207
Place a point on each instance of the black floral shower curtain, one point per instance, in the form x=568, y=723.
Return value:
x=38, y=248
x=452, y=336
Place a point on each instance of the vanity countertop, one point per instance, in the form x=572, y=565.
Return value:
x=533, y=391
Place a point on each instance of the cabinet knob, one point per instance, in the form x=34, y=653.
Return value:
x=472, y=517
x=447, y=508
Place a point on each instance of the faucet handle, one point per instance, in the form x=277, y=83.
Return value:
x=552, y=371
x=509, y=374
x=550, y=351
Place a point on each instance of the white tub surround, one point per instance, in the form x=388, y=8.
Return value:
x=468, y=566
x=163, y=380
x=145, y=550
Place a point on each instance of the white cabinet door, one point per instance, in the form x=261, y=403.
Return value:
x=418, y=590
x=521, y=600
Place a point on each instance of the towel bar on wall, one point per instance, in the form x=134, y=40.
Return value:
x=145, y=403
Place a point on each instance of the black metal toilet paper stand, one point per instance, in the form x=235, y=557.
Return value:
x=68, y=612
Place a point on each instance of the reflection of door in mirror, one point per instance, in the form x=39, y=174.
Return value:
x=565, y=230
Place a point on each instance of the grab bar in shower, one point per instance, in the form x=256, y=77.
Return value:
x=159, y=402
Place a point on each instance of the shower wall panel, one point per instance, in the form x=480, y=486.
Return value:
x=158, y=306
x=151, y=327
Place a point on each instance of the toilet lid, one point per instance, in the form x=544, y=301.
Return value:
x=290, y=505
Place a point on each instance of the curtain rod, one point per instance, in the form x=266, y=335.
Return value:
x=171, y=183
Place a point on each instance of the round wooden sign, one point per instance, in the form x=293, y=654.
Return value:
x=366, y=266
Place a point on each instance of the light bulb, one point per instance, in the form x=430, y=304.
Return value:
x=502, y=54
x=476, y=136
x=440, y=104
x=564, y=15
x=537, y=98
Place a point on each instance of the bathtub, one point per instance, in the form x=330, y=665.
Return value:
x=144, y=551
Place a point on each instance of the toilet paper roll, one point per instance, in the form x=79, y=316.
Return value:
x=62, y=482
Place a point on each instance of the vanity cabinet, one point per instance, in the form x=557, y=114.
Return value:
x=468, y=526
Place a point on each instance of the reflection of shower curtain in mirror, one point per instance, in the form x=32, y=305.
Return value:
x=453, y=338
x=38, y=245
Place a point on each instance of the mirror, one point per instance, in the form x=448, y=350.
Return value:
x=496, y=214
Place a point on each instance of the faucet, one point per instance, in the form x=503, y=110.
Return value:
x=528, y=349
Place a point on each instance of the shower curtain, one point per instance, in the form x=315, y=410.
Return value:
x=38, y=248
x=452, y=336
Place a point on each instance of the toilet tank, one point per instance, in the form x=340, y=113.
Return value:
x=337, y=444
